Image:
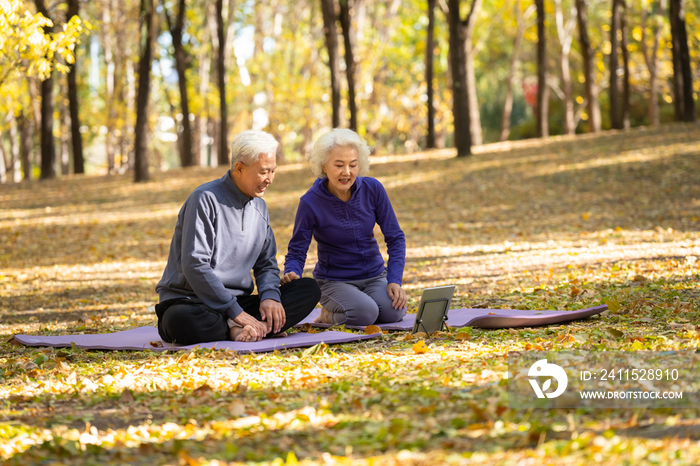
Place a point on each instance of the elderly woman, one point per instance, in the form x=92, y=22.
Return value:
x=340, y=211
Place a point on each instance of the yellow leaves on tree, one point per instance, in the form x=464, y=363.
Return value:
x=25, y=47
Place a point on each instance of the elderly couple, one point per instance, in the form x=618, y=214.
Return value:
x=223, y=232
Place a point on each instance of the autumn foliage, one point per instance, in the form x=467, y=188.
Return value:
x=566, y=223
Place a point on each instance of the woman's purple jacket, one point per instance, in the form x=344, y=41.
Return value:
x=344, y=232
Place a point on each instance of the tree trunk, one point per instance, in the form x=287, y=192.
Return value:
x=222, y=149
x=614, y=90
x=259, y=33
x=25, y=142
x=587, y=56
x=48, y=153
x=230, y=34
x=677, y=77
x=347, y=12
x=682, y=74
x=3, y=162
x=201, y=142
x=625, y=66
x=460, y=95
x=76, y=137
x=514, y=63
x=35, y=104
x=176, y=32
x=650, y=58
x=110, y=65
x=147, y=36
x=542, y=94
x=64, y=153
x=331, y=33
x=474, y=110
x=213, y=156
x=13, y=168
x=429, y=47
x=565, y=33
x=126, y=92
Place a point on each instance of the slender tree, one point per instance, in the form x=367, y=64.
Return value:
x=614, y=88
x=429, y=47
x=181, y=59
x=147, y=37
x=76, y=137
x=13, y=164
x=587, y=56
x=201, y=121
x=107, y=37
x=3, y=162
x=459, y=36
x=542, y=89
x=520, y=19
x=220, y=44
x=625, y=66
x=651, y=56
x=682, y=75
x=331, y=34
x=48, y=152
x=24, y=145
x=347, y=12
x=565, y=30
x=64, y=137
x=471, y=51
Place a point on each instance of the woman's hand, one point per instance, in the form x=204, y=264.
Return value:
x=397, y=295
x=288, y=277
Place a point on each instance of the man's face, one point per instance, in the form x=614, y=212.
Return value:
x=254, y=179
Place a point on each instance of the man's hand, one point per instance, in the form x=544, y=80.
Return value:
x=273, y=314
x=260, y=328
x=397, y=295
x=288, y=277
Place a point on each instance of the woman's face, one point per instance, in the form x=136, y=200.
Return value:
x=341, y=169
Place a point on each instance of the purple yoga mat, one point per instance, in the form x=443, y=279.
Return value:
x=140, y=339
x=483, y=318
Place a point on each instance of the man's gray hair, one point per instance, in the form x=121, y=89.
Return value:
x=339, y=137
x=247, y=146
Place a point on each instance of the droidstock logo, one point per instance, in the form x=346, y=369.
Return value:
x=542, y=369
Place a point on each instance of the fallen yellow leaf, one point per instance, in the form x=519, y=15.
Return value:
x=420, y=347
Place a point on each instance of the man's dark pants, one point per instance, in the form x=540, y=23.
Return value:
x=187, y=321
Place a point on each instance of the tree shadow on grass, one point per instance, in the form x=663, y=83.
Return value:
x=76, y=303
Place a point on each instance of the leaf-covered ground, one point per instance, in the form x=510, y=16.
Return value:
x=565, y=223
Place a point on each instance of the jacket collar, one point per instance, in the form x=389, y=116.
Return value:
x=233, y=190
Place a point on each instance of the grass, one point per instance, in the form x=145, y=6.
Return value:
x=565, y=223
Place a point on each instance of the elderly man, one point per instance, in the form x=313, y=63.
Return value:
x=222, y=233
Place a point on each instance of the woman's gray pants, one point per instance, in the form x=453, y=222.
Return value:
x=359, y=302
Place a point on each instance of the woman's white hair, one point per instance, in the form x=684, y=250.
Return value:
x=339, y=137
x=247, y=146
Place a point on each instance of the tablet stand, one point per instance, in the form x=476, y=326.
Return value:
x=420, y=324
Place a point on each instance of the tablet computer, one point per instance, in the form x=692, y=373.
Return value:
x=432, y=310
